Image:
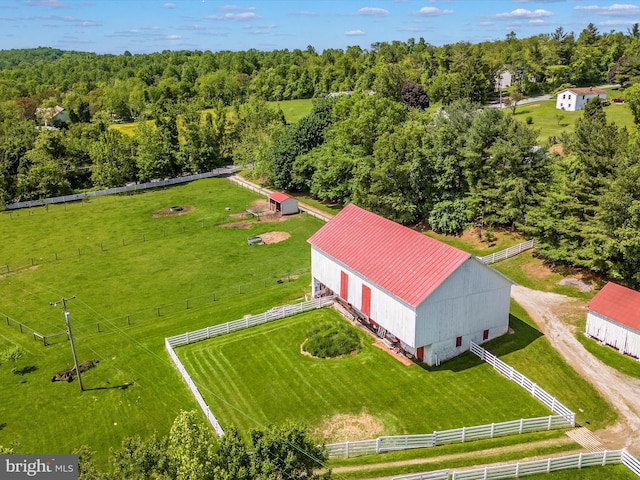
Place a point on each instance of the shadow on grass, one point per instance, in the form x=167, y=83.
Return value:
x=25, y=370
x=124, y=386
x=522, y=336
x=3, y=425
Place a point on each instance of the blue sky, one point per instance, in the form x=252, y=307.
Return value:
x=144, y=26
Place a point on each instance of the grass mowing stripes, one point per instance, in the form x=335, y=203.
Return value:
x=264, y=364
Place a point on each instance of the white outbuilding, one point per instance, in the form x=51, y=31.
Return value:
x=573, y=99
x=432, y=298
x=283, y=203
x=613, y=317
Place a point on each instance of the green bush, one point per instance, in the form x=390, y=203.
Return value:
x=328, y=341
x=529, y=120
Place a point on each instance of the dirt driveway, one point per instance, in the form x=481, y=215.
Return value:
x=621, y=391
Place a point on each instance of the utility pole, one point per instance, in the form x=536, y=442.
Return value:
x=67, y=317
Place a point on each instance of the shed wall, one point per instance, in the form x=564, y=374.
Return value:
x=619, y=336
x=289, y=206
x=386, y=310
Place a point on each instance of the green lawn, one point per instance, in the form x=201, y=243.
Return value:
x=609, y=355
x=163, y=263
x=278, y=382
x=294, y=110
x=553, y=122
x=259, y=376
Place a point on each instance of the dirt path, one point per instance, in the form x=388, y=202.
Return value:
x=621, y=391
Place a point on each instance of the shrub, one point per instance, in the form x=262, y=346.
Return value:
x=529, y=120
x=328, y=341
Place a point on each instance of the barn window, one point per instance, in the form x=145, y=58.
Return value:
x=485, y=335
x=458, y=341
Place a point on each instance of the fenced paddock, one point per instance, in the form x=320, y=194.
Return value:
x=535, y=467
x=508, y=253
x=512, y=374
x=268, y=316
x=443, y=437
x=225, y=328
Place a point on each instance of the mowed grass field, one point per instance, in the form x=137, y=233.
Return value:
x=164, y=262
x=259, y=376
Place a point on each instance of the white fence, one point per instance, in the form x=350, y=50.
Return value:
x=536, y=467
x=263, y=191
x=457, y=435
x=435, y=475
x=203, y=334
x=252, y=321
x=509, y=252
x=631, y=462
x=194, y=389
x=512, y=374
x=129, y=188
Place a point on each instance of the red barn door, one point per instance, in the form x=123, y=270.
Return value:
x=344, y=286
x=366, y=301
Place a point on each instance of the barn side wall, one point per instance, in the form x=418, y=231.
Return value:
x=619, y=336
x=385, y=309
x=473, y=299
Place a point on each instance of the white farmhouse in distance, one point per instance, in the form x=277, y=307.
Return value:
x=573, y=99
x=430, y=297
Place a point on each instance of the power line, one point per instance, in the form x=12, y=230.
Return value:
x=67, y=317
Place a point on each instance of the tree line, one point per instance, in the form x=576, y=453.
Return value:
x=373, y=143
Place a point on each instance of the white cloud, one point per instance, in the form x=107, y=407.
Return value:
x=354, y=33
x=619, y=23
x=242, y=16
x=173, y=37
x=46, y=3
x=432, y=12
x=235, y=8
x=169, y=5
x=373, y=12
x=305, y=13
x=615, y=10
x=524, y=13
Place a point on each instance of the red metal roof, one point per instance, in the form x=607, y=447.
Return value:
x=618, y=303
x=404, y=262
x=280, y=196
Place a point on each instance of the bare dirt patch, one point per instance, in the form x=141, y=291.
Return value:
x=537, y=270
x=274, y=237
x=344, y=427
x=173, y=211
x=557, y=148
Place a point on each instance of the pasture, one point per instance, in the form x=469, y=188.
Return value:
x=259, y=375
x=122, y=264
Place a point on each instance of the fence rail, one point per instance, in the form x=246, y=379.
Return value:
x=631, y=462
x=190, y=337
x=542, y=466
x=435, y=475
x=548, y=465
x=512, y=374
x=443, y=437
x=194, y=389
x=507, y=253
x=128, y=188
x=268, y=316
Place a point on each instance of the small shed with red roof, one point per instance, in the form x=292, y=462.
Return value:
x=283, y=203
x=432, y=298
x=613, y=317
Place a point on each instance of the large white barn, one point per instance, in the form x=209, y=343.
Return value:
x=613, y=317
x=433, y=298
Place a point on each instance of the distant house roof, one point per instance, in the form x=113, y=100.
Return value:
x=585, y=91
x=404, y=262
x=280, y=196
x=618, y=303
